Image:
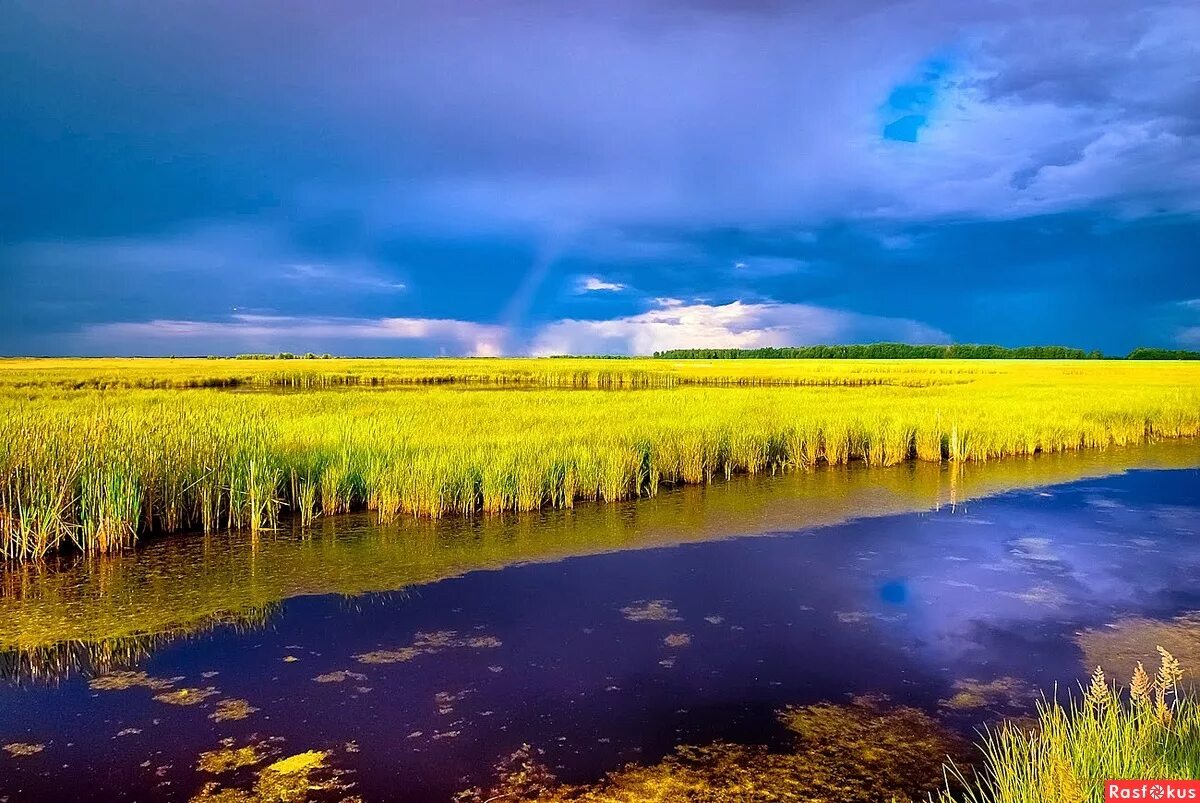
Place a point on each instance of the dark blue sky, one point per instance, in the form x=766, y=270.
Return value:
x=537, y=177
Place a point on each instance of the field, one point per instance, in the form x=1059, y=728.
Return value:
x=96, y=453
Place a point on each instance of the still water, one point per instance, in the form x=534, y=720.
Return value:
x=417, y=655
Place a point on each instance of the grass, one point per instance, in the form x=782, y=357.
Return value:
x=1151, y=731
x=871, y=751
x=113, y=610
x=94, y=454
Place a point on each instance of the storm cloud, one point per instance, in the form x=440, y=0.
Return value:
x=525, y=176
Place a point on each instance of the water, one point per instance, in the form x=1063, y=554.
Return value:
x=420, y=654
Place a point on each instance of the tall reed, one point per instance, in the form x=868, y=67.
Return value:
x=96, y=469
x=1151, y=730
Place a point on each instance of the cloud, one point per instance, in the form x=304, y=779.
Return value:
x=274, y=333
x=670, y=324
x=594, y=284
x=733, y=325
x=767, y=266
x=437, y=162
x=334, y=275
x=424, y=116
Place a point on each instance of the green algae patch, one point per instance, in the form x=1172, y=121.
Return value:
x=23, y=749
x=678, y=640
x=653, y=610
x=300, y=777
x=1000, y=694
x=858, y=753
x=232, y=710
x=428, y=644
x=1118, y=647
x=186, y=696
x=339, y=676
x=228, y=759
x=123, y=680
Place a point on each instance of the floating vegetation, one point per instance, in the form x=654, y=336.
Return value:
x=122, y=680
x=339, y=676
x=1148, y=730
x=445, y=700
x=88, y=466
x=297, y=778
x=1118, y=647
x=678, y=640
x=655, y=610
x=865, y=751
x=23, y=749
x=232, y=710
x=428, y=644
x=186, y=696
x=1004, y=693
x=229, y=758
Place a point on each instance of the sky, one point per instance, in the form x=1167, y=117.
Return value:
x=521, y=177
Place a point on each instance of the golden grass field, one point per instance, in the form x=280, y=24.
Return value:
x=94, y=453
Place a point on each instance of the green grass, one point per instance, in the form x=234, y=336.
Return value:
x=92, y=457
x=1150, y=731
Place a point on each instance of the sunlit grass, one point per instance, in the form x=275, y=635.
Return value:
x=1150, y=731
x=57, y=619
x=94, y=468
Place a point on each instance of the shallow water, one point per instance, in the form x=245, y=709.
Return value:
x=420, y=654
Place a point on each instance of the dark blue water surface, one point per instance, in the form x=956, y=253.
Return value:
x=613, y=658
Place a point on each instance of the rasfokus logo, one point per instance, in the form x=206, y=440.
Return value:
x=1151, y=790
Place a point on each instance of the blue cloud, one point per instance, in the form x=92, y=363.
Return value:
x=411, y=164
x=914, y=102
x=904, y=129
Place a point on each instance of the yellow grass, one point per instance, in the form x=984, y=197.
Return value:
x=92, y=454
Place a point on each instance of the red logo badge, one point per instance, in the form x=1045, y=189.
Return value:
x=1151, y=790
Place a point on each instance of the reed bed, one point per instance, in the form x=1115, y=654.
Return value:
x=95, y=469
x=1151, y=730
x=169, y=373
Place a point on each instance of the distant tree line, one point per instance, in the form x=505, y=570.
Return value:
x=904, y=351
x=283, y=355
x=1163, y=354
x=885, y=351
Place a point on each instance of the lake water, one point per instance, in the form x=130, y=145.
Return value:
x=420, y=654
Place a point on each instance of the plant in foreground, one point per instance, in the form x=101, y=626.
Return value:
x=1149, y=731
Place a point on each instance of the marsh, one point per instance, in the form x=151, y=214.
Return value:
x=419, y=655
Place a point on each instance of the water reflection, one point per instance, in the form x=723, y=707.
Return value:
x=601, y=660
x=95, y=614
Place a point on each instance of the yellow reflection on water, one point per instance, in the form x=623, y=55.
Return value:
x=113, y=610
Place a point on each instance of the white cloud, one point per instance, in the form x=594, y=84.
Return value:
x=271, y=333
x=735, y=325
x=672, y=324
x=594, y=284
